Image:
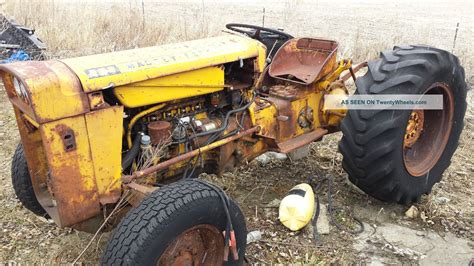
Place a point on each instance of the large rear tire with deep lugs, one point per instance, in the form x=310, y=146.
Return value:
x=398, y=155
x=178, y=224
x=22, y=185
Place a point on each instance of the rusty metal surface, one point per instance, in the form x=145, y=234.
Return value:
x=46, y=82
x=425, y=152
x=285, y=128
x=414, y=128
x=91, y=225
x=234, y=153
x=287, y=92
x=71, y=178
x=96, y=100
x=141, y=188
x=37, y=165
x=301, y=140
x=353, y=71
x=306, y=117
x=188, y=155
x=199, y=245
x=159, y=131
x=287, y=112
x=67, y=137
x=30, y=124
x=138, y=117
x=139, y=192
x=260, y=111
x=304, y=60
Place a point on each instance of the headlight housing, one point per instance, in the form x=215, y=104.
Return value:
x=20, y=90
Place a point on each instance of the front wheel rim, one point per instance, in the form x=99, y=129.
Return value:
x=425, y=139
x=199, y=245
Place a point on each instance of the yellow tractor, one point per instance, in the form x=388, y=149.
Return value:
x=127, y=133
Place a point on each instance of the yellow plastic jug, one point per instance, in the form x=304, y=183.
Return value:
x=297, y=207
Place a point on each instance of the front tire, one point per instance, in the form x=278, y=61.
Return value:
x=22, y=185
x=398, y=155
x=176, y=224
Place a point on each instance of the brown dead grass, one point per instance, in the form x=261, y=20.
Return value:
x=363, y=28
x=77, y=28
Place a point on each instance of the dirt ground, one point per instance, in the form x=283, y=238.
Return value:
x=441, y=234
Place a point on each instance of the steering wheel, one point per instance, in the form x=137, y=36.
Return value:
x=254, y=31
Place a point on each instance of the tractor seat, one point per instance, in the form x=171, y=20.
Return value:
x=304, y=60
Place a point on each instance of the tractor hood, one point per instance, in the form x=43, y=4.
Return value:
x=50, y=90
x=97, y=72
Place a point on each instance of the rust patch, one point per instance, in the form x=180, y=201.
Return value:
x=75, y=203
x=199, y=245
x=304, y=60
x=306, y=117
x=160, y=132
x=285, y=128
x=147, y=190
x=139, y=192
x=96, y=100
x=353, y=71
x=31, y=128
x=67, y=137
x=414, y=128
x=71, y=172
x=301, y=140
x=289, y=92
x=426, y=150
x=188, y=155
x=46, y=82
x=37, y=165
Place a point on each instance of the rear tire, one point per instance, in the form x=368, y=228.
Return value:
x=375, y=155
x=144, y=235
x=22, y=185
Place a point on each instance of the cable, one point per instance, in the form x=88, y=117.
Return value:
x=132, y=153
x=229, y=239
x=216, y=133
x=331, y=208
x=196, y=162
x=226, y=119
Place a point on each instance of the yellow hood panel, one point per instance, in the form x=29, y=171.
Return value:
x=101, y=71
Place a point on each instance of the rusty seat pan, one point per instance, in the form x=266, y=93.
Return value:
x=304, y=60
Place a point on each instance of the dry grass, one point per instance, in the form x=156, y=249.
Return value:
x=88, y=27
x=363, y=28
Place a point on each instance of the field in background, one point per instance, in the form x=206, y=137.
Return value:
x=363, y=28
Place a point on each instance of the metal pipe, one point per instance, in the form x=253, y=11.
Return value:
x=137, y=117
x=188, y=155
x=354, y=70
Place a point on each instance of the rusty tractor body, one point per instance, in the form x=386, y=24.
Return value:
x=94, y=127
x=71, y=134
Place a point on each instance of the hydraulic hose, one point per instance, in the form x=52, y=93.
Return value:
x=137, y=117
x=127, y=160
x=226, y=119
x=331, y=209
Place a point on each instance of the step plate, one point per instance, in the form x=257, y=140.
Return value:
x=301, y=140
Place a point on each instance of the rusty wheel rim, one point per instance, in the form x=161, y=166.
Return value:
x=199, y=245
x=427, y=133
x=414, y=128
